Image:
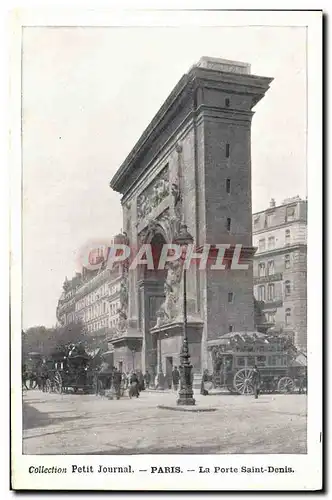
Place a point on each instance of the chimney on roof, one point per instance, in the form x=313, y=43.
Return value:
x=272, y=203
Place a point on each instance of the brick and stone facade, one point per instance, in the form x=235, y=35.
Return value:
x=280, y=268
x=192, y=165
x=92, y=298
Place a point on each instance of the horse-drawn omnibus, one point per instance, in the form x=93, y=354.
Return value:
x=71, y=368
x=234, y=355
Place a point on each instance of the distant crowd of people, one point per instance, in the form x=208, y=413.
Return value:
x=111, y=378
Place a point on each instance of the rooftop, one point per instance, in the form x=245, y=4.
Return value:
x=208, y=70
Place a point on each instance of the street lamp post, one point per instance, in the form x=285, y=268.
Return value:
x=133, y=352
x=160, y=376
x=186, y=394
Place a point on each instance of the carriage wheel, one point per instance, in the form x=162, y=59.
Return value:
x=286, y=385
x=242, y=381
x=58, y=383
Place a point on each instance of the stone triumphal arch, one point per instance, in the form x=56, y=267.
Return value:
x=191, y=165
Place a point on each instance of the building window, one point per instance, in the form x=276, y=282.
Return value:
x=228, y=224
x=227, y=102
x=270, y=242
x=287, y=261
x=270, y=267
x=287, y=287
x=261, y=269
x=261, y=245
x=227, y=150
x=230, y=328
x=269, y=219
x=290, y=213
x=287, y=237
x=287, y=317
x=256, y=221
x=270, y=291
x=230, y=297
x=261, y=293
x=228, y=186
x=270, y=317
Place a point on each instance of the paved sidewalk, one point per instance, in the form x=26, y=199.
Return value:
x=88, y=424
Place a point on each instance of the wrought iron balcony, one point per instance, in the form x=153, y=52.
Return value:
x=268, y=304
x=268, y=278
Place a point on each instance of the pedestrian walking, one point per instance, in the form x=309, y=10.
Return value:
x=147, y=379
x=205, y=379
x=124, y=381
x=117, y=383
x=256, y=380
x=134, y=388
x=175, y=378
x=303, y=382
x=43, y=375
x=141, y=382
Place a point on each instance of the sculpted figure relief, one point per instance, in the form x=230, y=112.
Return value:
x=143, y=206
x=170, y=307
x=176, y=193
x=122, y=324
x=123, y=309
x=153, y=195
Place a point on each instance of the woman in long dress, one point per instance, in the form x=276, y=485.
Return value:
x=133, y=389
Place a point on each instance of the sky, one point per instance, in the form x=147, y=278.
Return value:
x=87, y=96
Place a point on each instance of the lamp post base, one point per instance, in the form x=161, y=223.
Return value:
x=185, y=400
x=186, y=397
x=186, y=393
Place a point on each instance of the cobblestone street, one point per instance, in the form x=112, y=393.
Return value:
x=89, y=424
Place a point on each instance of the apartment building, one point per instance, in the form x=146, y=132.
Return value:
x=280, y=268
x=92, y=297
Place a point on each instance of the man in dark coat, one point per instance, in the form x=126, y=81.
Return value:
x=141, y=381
x=133, y=389
x=147, y=379
x=175, y=378
x=43, y=375
x=117, y=383
x=256, y=380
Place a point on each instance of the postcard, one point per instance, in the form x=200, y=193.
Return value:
x=166, y=210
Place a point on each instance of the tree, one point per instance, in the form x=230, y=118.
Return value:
x=45, y=340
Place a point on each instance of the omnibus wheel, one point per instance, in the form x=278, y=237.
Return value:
x=286, y=385
x=242, y=382
x=58, y=387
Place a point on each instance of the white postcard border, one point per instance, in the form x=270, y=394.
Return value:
x=308, y=467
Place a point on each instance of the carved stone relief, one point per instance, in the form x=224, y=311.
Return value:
x=170, y=309
x=124, y=295
x=153, y=195
x=127, y=207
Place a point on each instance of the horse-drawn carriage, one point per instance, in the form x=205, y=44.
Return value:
x=71, y=368
x=282, y=367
